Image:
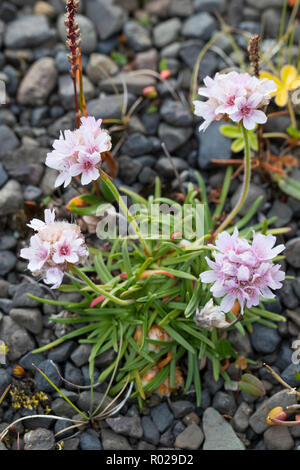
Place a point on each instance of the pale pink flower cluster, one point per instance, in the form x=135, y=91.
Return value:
x=236, y=96
x=54, y=247
x=78, y=152
x=242, y=271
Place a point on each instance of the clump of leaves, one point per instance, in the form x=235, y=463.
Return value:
x=127, y=288
x=233, y=131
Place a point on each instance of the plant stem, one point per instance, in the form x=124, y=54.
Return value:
x=126, y=211
x=292, y=113
x=99, y=289
x=246, y=183
x=274, y=135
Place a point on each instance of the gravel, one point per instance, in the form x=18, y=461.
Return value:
x=162, y=417
x=164, y=34
x=190, y=439
x=39, y=439
x=219, y=433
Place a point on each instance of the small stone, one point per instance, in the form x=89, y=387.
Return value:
x=142, y=445
x=32, y=193
x=29, y=359
x=219, y=434
x=287, y=295
x=151, y=433
x=137, y=36
x=5, y=380
x=88, y=33
x=264, y=339
x=62, y=352
x=191, y=418
x=61, y=62
x=209, y=5
x=241, y=344
x=66, y=90
x=27, y=31
x=264, y=4
x=29, y=318
x=11, y=198
x=60, y=425
x=162, y=417
x=48, y=181
x=224, y=403
x=147, y=60
x=73, y=374
x=136, y=144
x=147, y=176
x=278, y=438
x=4, y=285
x=3, y=175
x=135, y=83
x=129, y=169
x=108, y=107
x=20, y=297
x=16, y=338
x=289, y=375
x=50, y=371
x=166, y=32
x=158, y=8
x=292, y=252
x=282, y=211
x=181, y=408
x=175, y=113
x=240, y=421
x=254, y=192
x=113, y=441
x=8, y=138
x=212, y=144
x=182, y=8
x=271, y=19
x=166, y=169
x=174, y=137
x=81, y=354
x=258, y=419
x=84, y=400
x=128, y=426
x=190, y=439
x=44, y=8
x=99, y=67
x=107, y=17
x=7, y=262
x=199, y=26
x=89, y=440
x=39, y=439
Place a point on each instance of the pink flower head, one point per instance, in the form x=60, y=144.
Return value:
x=237, y=96
x=86, y=166
x=79, y=152
x=245, y=110
x=242, y=271
x=37, y=253
x=54, y=247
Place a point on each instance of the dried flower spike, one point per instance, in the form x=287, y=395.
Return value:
x=253, y=49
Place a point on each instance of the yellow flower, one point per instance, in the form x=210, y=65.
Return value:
x=288, y=81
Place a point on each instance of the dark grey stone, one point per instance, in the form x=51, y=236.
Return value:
x=162, y=417
x=263, y=339
x=151, y=433
x=27, y=31
x=50, y=371
x=89, y=440
x=212, y=145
